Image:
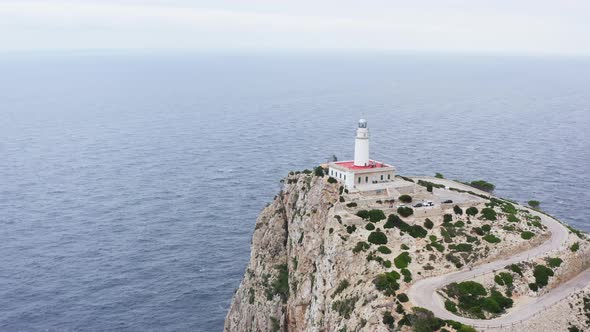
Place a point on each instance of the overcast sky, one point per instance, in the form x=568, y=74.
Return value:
x=495, y=26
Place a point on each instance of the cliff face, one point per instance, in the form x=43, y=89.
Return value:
x=318, y=264
x=290, y=269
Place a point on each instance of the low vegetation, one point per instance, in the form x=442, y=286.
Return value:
x=405, y=211
x=473, y=300
x=402, y=260
x=483, y=185
x=387, y=282
x=405, y=198
x=378, y=237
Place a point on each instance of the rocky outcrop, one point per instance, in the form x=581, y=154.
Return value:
x=290, y=269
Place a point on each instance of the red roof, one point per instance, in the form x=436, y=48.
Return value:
x=350, y=165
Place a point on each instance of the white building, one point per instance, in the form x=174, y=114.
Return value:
x=362, y=173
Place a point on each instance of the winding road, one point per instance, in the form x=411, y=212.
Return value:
x=424, y=292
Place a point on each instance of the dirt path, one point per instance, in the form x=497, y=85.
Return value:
x=424, y=292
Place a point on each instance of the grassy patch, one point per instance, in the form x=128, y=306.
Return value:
x=526, y=235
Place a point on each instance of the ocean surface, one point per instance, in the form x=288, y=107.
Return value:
x=130, y=183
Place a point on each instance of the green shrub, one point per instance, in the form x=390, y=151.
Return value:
x=319, y=171
x=417, y=231
x=554, y=262
x=275, y=324
x=395, y=221
x=509, y=208
x=351, y=205
x=439, y=176
x=478, y=230
x=422, y=320
x=513, y=218
x=457, y=210
x=407, y=275
x=402, y=260
x=534, y=204
x=350, y=229
x=387, y=282
x=405, y=198
x=342, y=200
x=527, y=235
x=388, y=320
x=542, y=274
x=472, y=211
x=575, y=247
x=405, y=211
x=461, y=247
x=370, y=227
x=345, y=307
x=450, y=306
x=459, y=223
x=376, y=215
x=483, y=185
x=491, y=238
x=429, y=187
x=488, y=213
x=465, y=288
x=428, y=223
x=516, y=269
x=363, y=214
x=402, y=297
x=506, y=278
x=447, y=218
x=332, y=180
x=404, y=247
x=387, y=264
x=280, y=285
x=341, y=286
x=486, y=228
x=384, y=250
x=378, y=238
x=533, y=287
x=360, y=246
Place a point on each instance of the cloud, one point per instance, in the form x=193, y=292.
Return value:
x=156, y=24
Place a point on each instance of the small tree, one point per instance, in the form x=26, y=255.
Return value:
x=406, y=198
x=319, y=171
x=534, y=204
x=457, y=210
x=439, y=176
x=429, y=187
x=405, y=211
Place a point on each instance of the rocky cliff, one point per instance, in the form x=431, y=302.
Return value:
x=291, y=267
x=326, y=260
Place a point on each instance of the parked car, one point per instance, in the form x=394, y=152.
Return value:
x=448, y=201
x=429, y=203
x=418, y=205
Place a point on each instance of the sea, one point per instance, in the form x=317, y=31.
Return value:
x=130, y=182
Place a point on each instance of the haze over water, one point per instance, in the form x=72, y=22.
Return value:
x=130, y=184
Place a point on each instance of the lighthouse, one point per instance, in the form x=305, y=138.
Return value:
x=361, y=144
x=362, y=173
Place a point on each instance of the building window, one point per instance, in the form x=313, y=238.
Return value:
x=388, y=176
x=359, y=179
x=344, y=177
x=366, y=179
x=381, y=177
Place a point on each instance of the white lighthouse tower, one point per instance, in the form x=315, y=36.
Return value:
x=361, y=144
x=362, y=174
